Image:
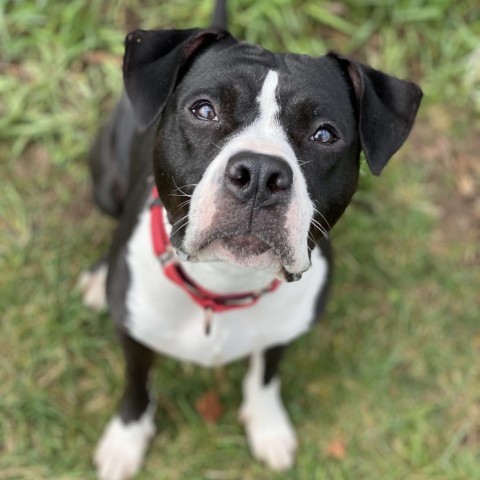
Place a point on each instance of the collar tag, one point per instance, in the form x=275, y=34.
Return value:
x=208, y=320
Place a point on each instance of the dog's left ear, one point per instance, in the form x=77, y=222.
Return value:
x=386, y=109
x=154, y=63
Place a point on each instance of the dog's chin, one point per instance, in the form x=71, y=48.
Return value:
x=241, y=251
x=246, y=251
x=244, y=246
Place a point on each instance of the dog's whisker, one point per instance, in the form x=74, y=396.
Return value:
x=183, y=204
x=184, y=224
x=319, y=227
x=320, y=213
x=179, y=224
x=179, y=195
x=182, y=193
x=180, y=188
x=324, y=234
x=180, y=220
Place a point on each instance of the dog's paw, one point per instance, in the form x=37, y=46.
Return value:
x=120, y=452
x=93, y=287
x=270, y=434
x=273, y=445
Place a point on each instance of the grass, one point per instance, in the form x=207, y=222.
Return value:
x=392, y=373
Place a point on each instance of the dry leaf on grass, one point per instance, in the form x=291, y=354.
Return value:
x=209, y=407
x=336, y=449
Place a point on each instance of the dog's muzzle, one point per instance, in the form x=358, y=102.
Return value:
x=248, y=212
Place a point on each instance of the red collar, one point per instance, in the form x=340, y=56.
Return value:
x=211, y=302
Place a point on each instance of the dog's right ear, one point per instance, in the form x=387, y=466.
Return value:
x=155, y=61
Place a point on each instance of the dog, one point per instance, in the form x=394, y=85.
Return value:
x=226, y=166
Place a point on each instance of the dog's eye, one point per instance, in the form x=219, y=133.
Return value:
x=204, y=111
x=325, y=134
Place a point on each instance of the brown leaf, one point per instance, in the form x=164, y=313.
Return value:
x=466, y=186
x=336, y=449
x=209, y=407
x=98, y=57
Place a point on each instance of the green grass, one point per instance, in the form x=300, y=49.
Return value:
x=393, y=370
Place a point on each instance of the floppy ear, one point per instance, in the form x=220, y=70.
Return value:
x=155, y=61
x=386, y=109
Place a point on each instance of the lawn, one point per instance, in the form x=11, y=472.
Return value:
x=386, y=387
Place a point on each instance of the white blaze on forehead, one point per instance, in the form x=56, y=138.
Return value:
x=267, y=99
x=266, y=135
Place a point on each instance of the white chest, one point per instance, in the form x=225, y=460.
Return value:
x=164, y=318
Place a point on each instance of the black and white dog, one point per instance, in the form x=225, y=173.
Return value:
x=255, y=156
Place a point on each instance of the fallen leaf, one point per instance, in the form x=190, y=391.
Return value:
x=209, y=407
x=466, y=186
x=336, y=449
x=98, y=57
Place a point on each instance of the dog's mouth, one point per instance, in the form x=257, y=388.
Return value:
x=245, y=245
x=245, y=249
x=242, y=245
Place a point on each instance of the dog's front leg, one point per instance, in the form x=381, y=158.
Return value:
x=270, y=433
x=120, y=452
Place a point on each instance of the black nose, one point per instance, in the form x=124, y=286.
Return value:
x=263, y=178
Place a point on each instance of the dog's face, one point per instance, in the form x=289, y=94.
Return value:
x=262, y=143
x=256, y=153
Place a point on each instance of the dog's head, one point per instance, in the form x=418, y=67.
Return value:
x=256, y=153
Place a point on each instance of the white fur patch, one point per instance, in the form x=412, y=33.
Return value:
x=264, y=136
x=270, y=434
x=121, y=450
x=268, y=103
x=92, y=285
x=163, y=317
